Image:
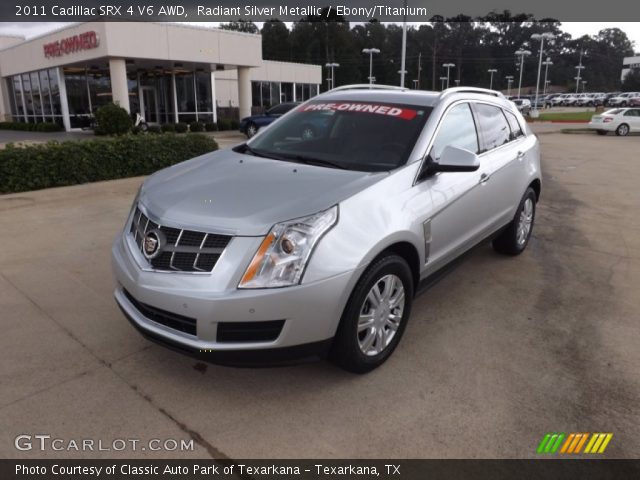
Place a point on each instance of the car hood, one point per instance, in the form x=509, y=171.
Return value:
x=236, y=194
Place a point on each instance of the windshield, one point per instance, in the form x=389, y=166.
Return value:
x=353, y=135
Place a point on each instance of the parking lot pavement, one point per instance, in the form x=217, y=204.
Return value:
x=499, y=352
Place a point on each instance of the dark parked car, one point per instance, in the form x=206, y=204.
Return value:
x=250, y=125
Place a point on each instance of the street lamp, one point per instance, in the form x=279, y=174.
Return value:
x=457, y=80
x=584, y=82
x=546, y=64
x=442, y=80
x=491, y=71
x=370, y=52
x=540, y=36
x=331, y=66
x=448, y=66
x=415, y=83
x=579, y=67
x=509, y=79
x=521, y=53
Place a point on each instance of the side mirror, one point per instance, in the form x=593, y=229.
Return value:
x=454, y=159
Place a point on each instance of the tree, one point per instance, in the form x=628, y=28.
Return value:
x=241, y=25
x=275, y=41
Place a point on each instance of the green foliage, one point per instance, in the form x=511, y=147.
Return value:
x=68, y=163
x=210, y=127
x=196, y=126
x=112, y=119
x=181, y=127
x=31, y=127
x=241, y=25
x=235, y=124
x=168, y=127
x=224, y=124
x=154, y=129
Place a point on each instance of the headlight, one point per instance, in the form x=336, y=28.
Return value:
x=283, y=254
x=133, y=207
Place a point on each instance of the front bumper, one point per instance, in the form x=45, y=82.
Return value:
x=311, y=312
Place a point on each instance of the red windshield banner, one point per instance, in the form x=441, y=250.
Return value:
x=390, y=111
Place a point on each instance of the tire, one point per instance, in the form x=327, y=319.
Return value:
x=351, y=348
x=624, y=104
x=252, y=129
x=512, y=241
x=622, y=130
x=601, y=132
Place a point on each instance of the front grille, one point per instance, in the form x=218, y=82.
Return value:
x=268, y=331
x=184, y=251
x=168, y=319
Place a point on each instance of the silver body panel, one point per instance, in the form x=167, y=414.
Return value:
x=225, y=192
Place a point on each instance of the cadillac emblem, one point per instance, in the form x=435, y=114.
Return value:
x=152, y=244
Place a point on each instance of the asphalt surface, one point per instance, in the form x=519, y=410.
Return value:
x=498, y=353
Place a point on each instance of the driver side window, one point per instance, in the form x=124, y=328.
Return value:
x=457, y=129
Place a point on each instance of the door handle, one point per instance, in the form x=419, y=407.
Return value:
x=484, y=178
x=520, y=155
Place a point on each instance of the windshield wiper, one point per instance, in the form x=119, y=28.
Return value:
x=244, y=148
x=314, y=161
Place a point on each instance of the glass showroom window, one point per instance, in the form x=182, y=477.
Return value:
x=35, y=95
x=287, y=92
x=185, y=93
x=40, y=102
x=204, y=103
x=26, y=94
x=256, y=94
x=77, y=97
x=99, y=85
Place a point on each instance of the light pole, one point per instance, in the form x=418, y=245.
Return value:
x=442, y=80
x=509, y=79
x=448, y=66
x=332, y=66
x=579, y=68
x=521, y=53
x=404, y=46
x=540, y=36
x=457, y=80
x=584, y=83
x=370, y=52
x=491, y=71
x=546, y=64
x=415, y=84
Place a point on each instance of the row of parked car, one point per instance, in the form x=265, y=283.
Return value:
x=596, y=99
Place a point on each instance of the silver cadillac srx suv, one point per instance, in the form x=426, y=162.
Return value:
x=312, y=238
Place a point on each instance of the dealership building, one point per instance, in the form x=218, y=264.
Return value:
x=628, y=64
x=167, y=72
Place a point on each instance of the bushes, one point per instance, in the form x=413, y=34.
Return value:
x=224, y=124
x=69, y=163
x=112, y=119
x=181, y=127
x=196, y=127
x=210, y=127
x=31, y=127
x=168, y=127
x=154, y=129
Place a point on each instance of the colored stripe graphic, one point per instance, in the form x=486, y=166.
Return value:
x=598, y=443
x=573, y=443
x=550, y=443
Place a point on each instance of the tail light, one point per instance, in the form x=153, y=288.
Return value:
x=607, y=119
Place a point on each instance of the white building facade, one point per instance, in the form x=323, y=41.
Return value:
x=628, y=64
x=167, y=72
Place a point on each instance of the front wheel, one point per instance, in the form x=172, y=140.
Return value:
x=375, y=316
x=515, y=237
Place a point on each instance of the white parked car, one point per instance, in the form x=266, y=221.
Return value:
x=559, y=100
x=620, y=120
x=622, y=100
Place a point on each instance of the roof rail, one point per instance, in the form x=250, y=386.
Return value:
x=366, y=86
x=484, y=91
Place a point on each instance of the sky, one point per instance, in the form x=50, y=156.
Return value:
x=576, y=29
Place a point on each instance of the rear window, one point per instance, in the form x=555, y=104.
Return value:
x=355, y=135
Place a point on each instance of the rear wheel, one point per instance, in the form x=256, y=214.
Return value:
x=622, y=130
x=515, y=237
x=375, y=316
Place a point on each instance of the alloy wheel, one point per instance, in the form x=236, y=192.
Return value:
x=381, y=315
x=525, y=221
